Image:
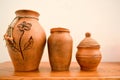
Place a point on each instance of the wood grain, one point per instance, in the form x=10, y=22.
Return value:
x=105, y=71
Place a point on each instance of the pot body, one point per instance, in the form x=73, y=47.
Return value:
x=25, y=40
x=60, y=49
x=88, y=58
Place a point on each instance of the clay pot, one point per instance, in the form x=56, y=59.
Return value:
x=25, y=39
x=88, y=55
x=60, y=49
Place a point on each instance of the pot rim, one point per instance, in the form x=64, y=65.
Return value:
x=27, y=11
x=59, y=29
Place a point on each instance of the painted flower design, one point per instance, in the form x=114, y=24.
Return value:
x=17, y=47
x=24, y=26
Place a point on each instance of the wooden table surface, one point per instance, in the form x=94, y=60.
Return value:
x=105, y=71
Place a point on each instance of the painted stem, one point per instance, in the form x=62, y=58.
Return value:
x=20, y=45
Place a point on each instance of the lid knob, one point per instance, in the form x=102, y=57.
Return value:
x=87, y=34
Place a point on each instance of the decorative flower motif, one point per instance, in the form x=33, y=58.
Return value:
x=24, y=26
x=17, y=47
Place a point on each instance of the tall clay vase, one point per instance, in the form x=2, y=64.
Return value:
x=88, y=55
x=25, y=40
x=60, y=49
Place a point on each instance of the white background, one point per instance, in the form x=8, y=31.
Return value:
x=99, y=17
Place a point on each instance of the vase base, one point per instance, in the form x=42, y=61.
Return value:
x=26, y=70
x=88, y=69
x=60, y=69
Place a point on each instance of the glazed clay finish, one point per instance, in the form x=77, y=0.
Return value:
x=88, y=55
x=60, y=49
x=25, y=40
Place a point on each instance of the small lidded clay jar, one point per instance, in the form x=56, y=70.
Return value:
x=88, y=55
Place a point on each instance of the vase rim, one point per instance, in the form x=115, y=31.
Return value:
x=23, y=11
x=59, y=29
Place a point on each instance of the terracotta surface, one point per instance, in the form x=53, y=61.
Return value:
x=88, y=54
x=25, y=40
x=105, y=71
x=60, y=49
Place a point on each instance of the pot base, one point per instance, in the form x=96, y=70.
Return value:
x=88, y=69
x=26, y=70
x=60, y=69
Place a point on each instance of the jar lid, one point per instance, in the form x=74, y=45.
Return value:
x=59, y=29
x=88, y=42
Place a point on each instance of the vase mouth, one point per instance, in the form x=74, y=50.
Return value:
x=27, y=12
x=59, y=29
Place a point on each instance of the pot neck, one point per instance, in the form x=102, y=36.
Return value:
x=27, y=14
x=59, y=29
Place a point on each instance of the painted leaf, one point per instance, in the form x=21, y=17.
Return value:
x=13, y=45
x=28, y=44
